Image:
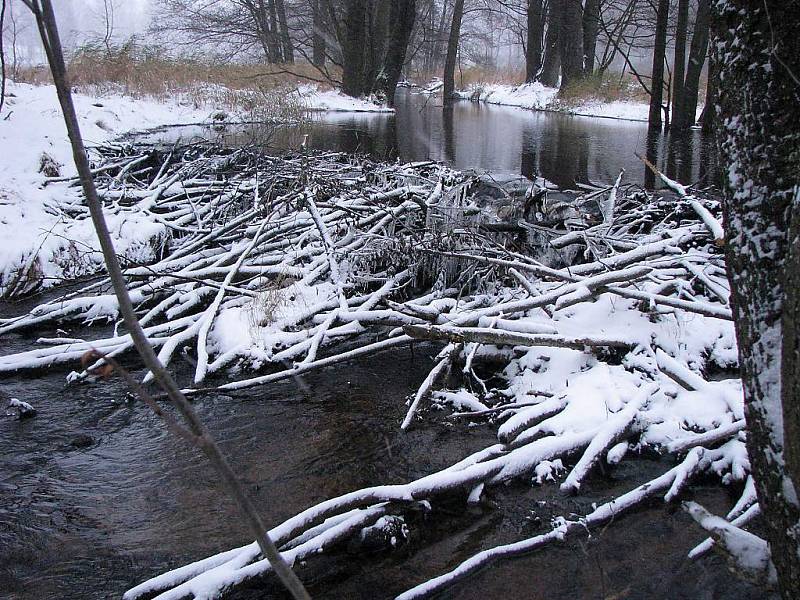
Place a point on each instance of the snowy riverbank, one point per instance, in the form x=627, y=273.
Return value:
x=535, y=96
x=41, y=246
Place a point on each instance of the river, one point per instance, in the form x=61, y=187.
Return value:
x=564, y=149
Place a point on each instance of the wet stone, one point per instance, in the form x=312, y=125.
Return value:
x=82, y=441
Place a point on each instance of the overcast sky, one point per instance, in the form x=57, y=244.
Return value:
x=78, y=22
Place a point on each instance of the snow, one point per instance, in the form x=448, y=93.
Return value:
x=583, y=406
x=571, y=400
x=36, y=237
x=316, y=99
x=746, y=552
x=21, y=408
x=460, y=400
x=535, y=96
x=529, y=95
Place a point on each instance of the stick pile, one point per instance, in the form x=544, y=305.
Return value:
x=602, y=357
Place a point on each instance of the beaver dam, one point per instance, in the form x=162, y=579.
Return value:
x=416, y=371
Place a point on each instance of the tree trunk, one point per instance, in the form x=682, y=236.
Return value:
x=437, y=58
x=452, y=52
x=353, y=44
x=286, y=41
x=659, y=52
x=402, y=14
x=679, y=65
x=591, y=24
x=552, y=55
x=533, y=47
x=697, y=56
x=707, y=118
x=259, y=12
x=571, y=42
x=274, y=37
x=759, y=136
x=318, y=34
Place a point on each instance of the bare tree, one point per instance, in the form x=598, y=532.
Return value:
x=659, y=55
x=571, y=41
x=757, y=53
x=235, y=27
x=402, y=14
x=686, y=109
x=552, y=54
x=318, y=42
x=591, y=26
x=351, y=32
x=707, y=118
x=452, y=51
x=535, y=33
x=679, y=59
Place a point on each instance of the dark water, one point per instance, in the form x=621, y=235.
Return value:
x=88, y=517
x=562, y=148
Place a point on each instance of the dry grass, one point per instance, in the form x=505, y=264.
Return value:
x=147, y=72
x=475, y=76
x=606, y=87
x=273, y=295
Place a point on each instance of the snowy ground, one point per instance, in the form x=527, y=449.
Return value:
x=335, y=101
x=535, y=96
x=39, y=244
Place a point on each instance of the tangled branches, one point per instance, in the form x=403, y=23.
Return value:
x=270, y=261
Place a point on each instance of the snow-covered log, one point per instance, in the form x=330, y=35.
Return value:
x=748, y=555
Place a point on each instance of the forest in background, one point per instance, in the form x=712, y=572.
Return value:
x=603, y=49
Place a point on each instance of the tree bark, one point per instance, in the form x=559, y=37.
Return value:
x=286, y=41
x=697, y=56
x=452, y=52
x=571, y=42
x=274, y=37
x=707, y=118
x=757, y=52
x=659, y=53
x=436, y=51
x=353, y=44
x=259, y=12
x=533, y=47
x=679, y=65
x=591, y=24
x=318, y=34
x=552, y=54
x=402, y=14
x=375, y=38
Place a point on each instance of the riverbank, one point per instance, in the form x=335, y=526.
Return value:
x=535, y=96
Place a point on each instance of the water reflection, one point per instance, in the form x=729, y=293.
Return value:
x=565, y=149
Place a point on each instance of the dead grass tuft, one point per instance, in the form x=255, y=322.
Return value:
x=263, y=310
x=49, y=166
